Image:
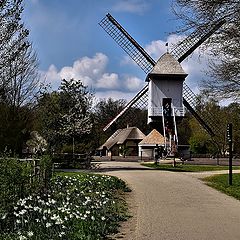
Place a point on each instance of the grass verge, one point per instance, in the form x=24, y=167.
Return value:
x=220, y=182
x=186, y=168
x=76, y=206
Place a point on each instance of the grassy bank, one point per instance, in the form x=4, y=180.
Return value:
x=186, y=168
x=76, y=206
x=220, y=182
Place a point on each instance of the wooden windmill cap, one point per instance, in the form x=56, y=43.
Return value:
x=167, y=65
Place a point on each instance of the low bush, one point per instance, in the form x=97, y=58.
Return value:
x=20, y=179
x=75, y=207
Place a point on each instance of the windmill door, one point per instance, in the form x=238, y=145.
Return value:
x=167, y=103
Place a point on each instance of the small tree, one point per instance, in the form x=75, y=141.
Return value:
x=37, y=144
x=77, y=101
x=75, y=123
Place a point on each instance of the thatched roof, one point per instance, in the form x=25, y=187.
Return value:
x=153, y=138
x=167, y=65
x=121, y=135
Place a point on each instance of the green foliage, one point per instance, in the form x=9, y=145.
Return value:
x=15, y=181
x=123, y=150
x=65, y=114
x=198, y=144
x=20, y=179
x=15, y=126
x=220, y=182
x=80, y=147
x=232, y=111
x=45, y=171
x=104, y=111
x=200, y=141
x=184, y=130
x=47, y=118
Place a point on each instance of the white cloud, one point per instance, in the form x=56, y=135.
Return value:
x=89, y=70
x=92, y=71
x=156, y=48
x=51, y=77
x=115, y=95
x=174, y=39
x=131, y=6
x=108, y=81
x=134, y=84
x=52, y=73
x=196, y=66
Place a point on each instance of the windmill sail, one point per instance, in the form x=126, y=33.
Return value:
x=208, y=121
x=127, y=43
x=146, y=63
x=194, y=40
x=138, y=102
x=138, y=55
x=181, y=52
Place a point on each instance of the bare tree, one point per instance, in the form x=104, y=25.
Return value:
x=224, y=81
x=19, y=79
x=23, y=83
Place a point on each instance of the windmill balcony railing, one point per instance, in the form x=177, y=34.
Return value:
x=156, y=111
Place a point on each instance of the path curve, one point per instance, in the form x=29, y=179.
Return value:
x=175, y=206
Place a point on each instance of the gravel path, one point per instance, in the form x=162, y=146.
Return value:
x=174, y=206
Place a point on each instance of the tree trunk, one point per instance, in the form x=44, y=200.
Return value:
x=73, y=147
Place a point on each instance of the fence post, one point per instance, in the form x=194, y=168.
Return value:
x=229, y=138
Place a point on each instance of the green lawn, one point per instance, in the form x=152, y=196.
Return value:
x=187, y=168
x=220, y=182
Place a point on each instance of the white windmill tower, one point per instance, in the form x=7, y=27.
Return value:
x=165, y=95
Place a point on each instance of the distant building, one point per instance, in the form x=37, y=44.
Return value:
x=124, y=142
x=148, y=145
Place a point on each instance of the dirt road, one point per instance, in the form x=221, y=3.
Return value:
x=175, y=206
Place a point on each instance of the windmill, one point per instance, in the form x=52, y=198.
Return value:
x=165, y=92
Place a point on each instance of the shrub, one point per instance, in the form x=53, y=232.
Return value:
x=75, y=207
x=20, y=179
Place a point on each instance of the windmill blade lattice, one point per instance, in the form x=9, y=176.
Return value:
x=191, y=101
x=139, y=102
x=127, y=43
x=194, y=40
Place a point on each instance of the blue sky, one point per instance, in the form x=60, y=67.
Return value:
x=70, y=43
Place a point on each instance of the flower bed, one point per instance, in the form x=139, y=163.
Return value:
x=83, y=206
